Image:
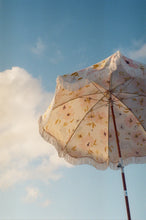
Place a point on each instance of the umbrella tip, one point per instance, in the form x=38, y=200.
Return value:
x=118, y=52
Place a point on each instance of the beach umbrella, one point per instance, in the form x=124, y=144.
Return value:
x=97, y=116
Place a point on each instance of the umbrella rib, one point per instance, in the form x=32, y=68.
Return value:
x=81, y=121
x=130, y=80
x=97, y=87
x=75, y=98
x=130, y=93
x=123, y=98
x=130, y=111
x=120, y=92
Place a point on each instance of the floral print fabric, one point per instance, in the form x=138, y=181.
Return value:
x=79, y=121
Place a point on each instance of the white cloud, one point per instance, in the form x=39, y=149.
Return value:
x=139, y=53
x=32, y=195
x=24, y=155
x=39, y=47
x=46, y=203
x=57, y=57
x=53, y=53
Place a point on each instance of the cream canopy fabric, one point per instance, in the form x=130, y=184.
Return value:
x=79, y=123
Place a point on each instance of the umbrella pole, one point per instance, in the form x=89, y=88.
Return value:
x=121, y=164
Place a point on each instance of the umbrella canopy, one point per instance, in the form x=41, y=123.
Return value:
x=80, y=124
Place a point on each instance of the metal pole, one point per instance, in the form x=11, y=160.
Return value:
x=121, y=164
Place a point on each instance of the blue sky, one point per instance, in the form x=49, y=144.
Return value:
x=40, y=40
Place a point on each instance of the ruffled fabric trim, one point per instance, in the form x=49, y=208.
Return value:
x=74, y=161
x=127, y=161
x=85, y=160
